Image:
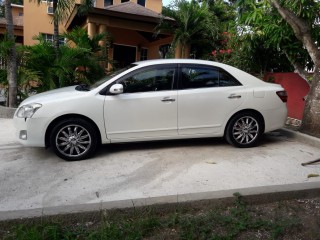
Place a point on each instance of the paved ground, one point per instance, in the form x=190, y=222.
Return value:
x=36, y=180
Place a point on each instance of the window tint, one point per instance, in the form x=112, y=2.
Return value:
x=149, y=80
x=226, y=80
x=197, y=77
x=205, y=77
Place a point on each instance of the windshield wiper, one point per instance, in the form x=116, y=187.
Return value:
x=83, y=87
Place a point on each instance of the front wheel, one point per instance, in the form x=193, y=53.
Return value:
x=244, y=130
x=74, y=139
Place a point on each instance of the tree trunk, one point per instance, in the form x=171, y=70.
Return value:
x=186, y=50
x=311, y=115
x=12, y=57
x=297, y=67
x=301, y=29
x=55, y=29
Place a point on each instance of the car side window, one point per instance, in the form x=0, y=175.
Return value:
x=226, y=80
x=149, y=80
x=199, y=77
x=206, y=77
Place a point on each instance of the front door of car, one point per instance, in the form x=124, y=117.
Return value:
x=147, y=108
x=207, y=96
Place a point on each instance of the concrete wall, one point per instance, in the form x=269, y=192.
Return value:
x=6, y=112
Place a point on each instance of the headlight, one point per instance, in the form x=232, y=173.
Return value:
x=27, y=111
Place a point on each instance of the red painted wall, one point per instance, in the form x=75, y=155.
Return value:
x=296, y=87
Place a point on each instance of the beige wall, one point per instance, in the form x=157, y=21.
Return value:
x=16, y=10
x=37, y=20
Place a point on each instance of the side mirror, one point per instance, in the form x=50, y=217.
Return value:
x=116, y=89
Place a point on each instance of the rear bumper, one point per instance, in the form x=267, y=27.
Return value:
x=275, y=118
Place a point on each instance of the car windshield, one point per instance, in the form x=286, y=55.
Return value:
x=109, y=76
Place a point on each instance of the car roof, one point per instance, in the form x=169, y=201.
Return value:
x=175, y=60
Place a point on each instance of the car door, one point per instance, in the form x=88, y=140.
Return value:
x=147, y=108
x=207, y=96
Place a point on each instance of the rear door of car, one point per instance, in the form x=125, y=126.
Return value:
x=206, y=97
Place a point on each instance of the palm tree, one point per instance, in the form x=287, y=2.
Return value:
x=80, y=38
x=61, y=11
x=12, y=57
x=62, y=71
x=193, y=24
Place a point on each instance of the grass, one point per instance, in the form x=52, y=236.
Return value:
x=239, y=221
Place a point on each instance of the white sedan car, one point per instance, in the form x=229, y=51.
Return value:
x=153, y=100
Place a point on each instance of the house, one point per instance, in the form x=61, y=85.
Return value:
x=17, y=16
x=131, y=25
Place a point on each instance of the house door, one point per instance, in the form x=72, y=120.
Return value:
x=124, y=55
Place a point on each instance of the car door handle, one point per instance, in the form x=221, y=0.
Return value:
x=168, y=99
x=232, y=96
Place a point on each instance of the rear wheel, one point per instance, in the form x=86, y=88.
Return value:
x=244, y=129
x=74, y=139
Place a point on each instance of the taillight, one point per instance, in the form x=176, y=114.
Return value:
x=283, y=95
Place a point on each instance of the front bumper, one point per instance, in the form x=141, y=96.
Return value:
x=31, y=131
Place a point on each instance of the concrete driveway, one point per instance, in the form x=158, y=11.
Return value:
x=33, y=181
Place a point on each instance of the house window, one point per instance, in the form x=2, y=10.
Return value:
x=49, y=38
x=142, y=2
x=122, y=1
x=143, y=54
x=20, y=14
x=108, y=3
x=163, y=50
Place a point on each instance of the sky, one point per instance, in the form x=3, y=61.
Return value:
x=166, y=2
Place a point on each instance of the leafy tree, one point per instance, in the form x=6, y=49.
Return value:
x=24, y=76
x=193, y=25
x=292, y=26
x=80, y=38
x=74, y=65
x=2, y=11
x=249, y=52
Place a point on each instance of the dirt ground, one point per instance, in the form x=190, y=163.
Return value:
x=295, y=219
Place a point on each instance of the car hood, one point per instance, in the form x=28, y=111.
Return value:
x=53, y=95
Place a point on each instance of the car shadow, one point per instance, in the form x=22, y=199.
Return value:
x=158, y=145
x=270, y=138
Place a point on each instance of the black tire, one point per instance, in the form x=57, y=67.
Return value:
x=74, y=139
x=244, y=130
